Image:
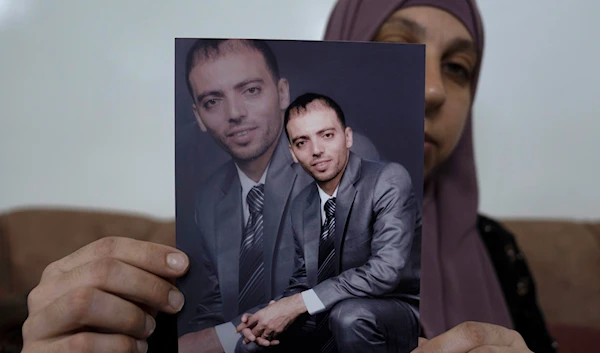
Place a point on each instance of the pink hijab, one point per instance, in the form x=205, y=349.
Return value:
x=458, y=281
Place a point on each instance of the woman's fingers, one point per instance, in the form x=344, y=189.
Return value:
x=88, y=308
x=112, y=276
x=89, y=342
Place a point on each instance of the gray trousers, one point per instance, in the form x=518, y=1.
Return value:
x=357, y=325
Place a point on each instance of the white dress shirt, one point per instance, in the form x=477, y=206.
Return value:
x=247, y=185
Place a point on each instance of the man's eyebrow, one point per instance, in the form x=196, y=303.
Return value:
x=249, y=81
x=298, y=138
x=325, y=130
x=219, y=93
x=202, y=95
x=318, y=133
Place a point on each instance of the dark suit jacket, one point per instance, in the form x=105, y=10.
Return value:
x=211, y=285
x=377, y=237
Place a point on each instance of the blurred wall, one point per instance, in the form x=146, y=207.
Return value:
x=86, y=99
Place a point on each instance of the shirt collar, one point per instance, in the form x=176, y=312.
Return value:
x=248, y=183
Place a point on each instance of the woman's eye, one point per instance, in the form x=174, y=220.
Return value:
x=458, y=71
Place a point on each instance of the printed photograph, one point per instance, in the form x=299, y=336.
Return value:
x=299, y=186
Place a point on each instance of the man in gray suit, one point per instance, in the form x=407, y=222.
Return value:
x=243, y=253
x=357, y=235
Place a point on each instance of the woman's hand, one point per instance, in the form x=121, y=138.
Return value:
x=103, y=297
x=475, y=337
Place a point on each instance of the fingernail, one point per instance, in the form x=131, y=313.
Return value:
x=142, y=346
x=176, y=300
x=150, y=325
x=176, y=261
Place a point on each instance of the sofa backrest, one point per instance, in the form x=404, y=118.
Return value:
x=564, y=256
x=31, y=239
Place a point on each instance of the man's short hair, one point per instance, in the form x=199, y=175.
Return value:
x=299, y=106
x=204, y=49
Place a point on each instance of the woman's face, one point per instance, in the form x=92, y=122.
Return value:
x=451, y=58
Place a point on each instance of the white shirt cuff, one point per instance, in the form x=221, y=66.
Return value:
x=228, y=336
x=314, y=305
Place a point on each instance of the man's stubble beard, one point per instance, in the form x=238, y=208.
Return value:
x=267, y=141
x=323, y=178
x=339, y=168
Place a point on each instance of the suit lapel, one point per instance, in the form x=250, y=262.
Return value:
x=278, y=187
x=344, y=201
x=311, y=231
x=228, y=235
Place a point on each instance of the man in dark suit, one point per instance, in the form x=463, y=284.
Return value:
x=242, y=254
x=357, y=235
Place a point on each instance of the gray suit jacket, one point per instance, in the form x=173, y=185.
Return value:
x=211, y=285
x=377, y=237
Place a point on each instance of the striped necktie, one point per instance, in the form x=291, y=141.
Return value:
x=326, y=270
x=326, y=243
x=252, y=287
